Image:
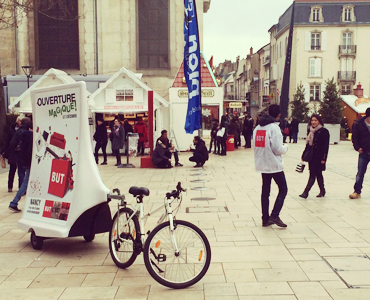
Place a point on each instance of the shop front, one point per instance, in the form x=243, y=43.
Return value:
x=125, y=96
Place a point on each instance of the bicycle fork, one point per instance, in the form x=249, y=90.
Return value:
x=172, y=228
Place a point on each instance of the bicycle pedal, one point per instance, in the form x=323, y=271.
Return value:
x=161, y=257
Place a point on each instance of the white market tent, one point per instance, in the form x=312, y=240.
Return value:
x=50, y=78
x=110, y=99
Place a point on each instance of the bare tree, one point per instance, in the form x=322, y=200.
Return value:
x=13, y=12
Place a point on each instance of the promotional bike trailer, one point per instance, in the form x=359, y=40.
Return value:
x=65, y=196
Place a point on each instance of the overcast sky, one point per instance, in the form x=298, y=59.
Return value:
x=231, y=27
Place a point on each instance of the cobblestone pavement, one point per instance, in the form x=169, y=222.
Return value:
x=322, y=254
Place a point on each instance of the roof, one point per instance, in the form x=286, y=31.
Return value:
x=206, y=75
x=332, y=11
x=352, y=100
x=135, y=78
x=57, y=77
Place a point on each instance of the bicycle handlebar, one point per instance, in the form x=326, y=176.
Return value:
x=176, y=193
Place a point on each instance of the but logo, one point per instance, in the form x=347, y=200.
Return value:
x=260, y=138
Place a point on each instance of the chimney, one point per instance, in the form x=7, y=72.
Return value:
x=358, y=91
x=251, y=51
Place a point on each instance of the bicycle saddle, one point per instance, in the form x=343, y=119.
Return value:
x=138, y=191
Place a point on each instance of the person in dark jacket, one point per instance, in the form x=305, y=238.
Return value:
x=170, y=149
x=200, y=153
x=159, y=158
x=9, y=154
x=318, y=138
x=234, y=129
x=24, y=160
x=13, y=148
x=117, y=138
x=294, y=124
x=248, y=131
x=101, y=139
x=141, y=129
x=361, y=143
x=128, y=129
x=213, y=136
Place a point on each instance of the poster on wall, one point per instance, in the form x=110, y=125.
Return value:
x=61, y=154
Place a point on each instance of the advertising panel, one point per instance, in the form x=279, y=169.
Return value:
x=64, y=179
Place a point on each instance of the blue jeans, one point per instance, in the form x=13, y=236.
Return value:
x=363, y=160
x=295, y=137
x=21, y=190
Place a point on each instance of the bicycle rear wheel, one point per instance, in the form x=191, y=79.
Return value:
x=182, y=269
x=124, y=238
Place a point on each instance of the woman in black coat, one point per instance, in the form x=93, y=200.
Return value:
x=318, y=138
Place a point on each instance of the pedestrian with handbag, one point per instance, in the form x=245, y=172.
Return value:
x=316, y=154
x=224, y=128
x=117, y=138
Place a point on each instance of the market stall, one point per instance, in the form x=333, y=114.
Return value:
x=212, y=105
x=125, y=96
x=22, y=104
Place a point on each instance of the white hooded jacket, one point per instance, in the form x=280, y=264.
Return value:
x=268, y=146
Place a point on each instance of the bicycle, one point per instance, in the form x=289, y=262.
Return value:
x=176, y=253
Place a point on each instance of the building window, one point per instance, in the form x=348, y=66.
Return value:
x=314, y=92
x=347, y=39
x=57, y=41
x=153, y=34
x=348, y=13
x=346, y=89
x=315, y=41
x=316, y=14
x=315, y=67
x=125, y=95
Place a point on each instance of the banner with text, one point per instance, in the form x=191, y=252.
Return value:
x=192, y=67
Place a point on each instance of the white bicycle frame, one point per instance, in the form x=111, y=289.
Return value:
x=143, y=217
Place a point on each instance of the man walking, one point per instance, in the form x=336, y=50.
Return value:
x=268, y=148
x=361, y=143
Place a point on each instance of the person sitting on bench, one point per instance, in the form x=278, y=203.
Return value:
x=159, y=158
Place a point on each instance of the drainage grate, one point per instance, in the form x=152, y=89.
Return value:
x=354, y=271
x=202, y=199
x=199, y=181
x=200, y=188
x=206, y=209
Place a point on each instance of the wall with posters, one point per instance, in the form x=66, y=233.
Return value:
x=59, y=189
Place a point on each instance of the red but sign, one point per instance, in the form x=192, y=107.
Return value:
x=260, y=138
x=59, y=177
x=48, y=208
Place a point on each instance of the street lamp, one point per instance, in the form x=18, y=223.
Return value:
x=28, y=71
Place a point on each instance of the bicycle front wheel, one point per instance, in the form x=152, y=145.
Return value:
x=124, y=238
x=180, y=269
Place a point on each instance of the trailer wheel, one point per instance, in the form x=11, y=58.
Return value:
x=36, y=241
x=90, y=237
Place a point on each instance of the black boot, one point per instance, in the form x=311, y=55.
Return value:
x=304, y=195
x=310, y=183
x=322, y=193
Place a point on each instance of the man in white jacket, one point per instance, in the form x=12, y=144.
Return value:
x=268, y=148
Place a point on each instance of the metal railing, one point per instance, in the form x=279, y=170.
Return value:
x=347, y=49
x=347, y=75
